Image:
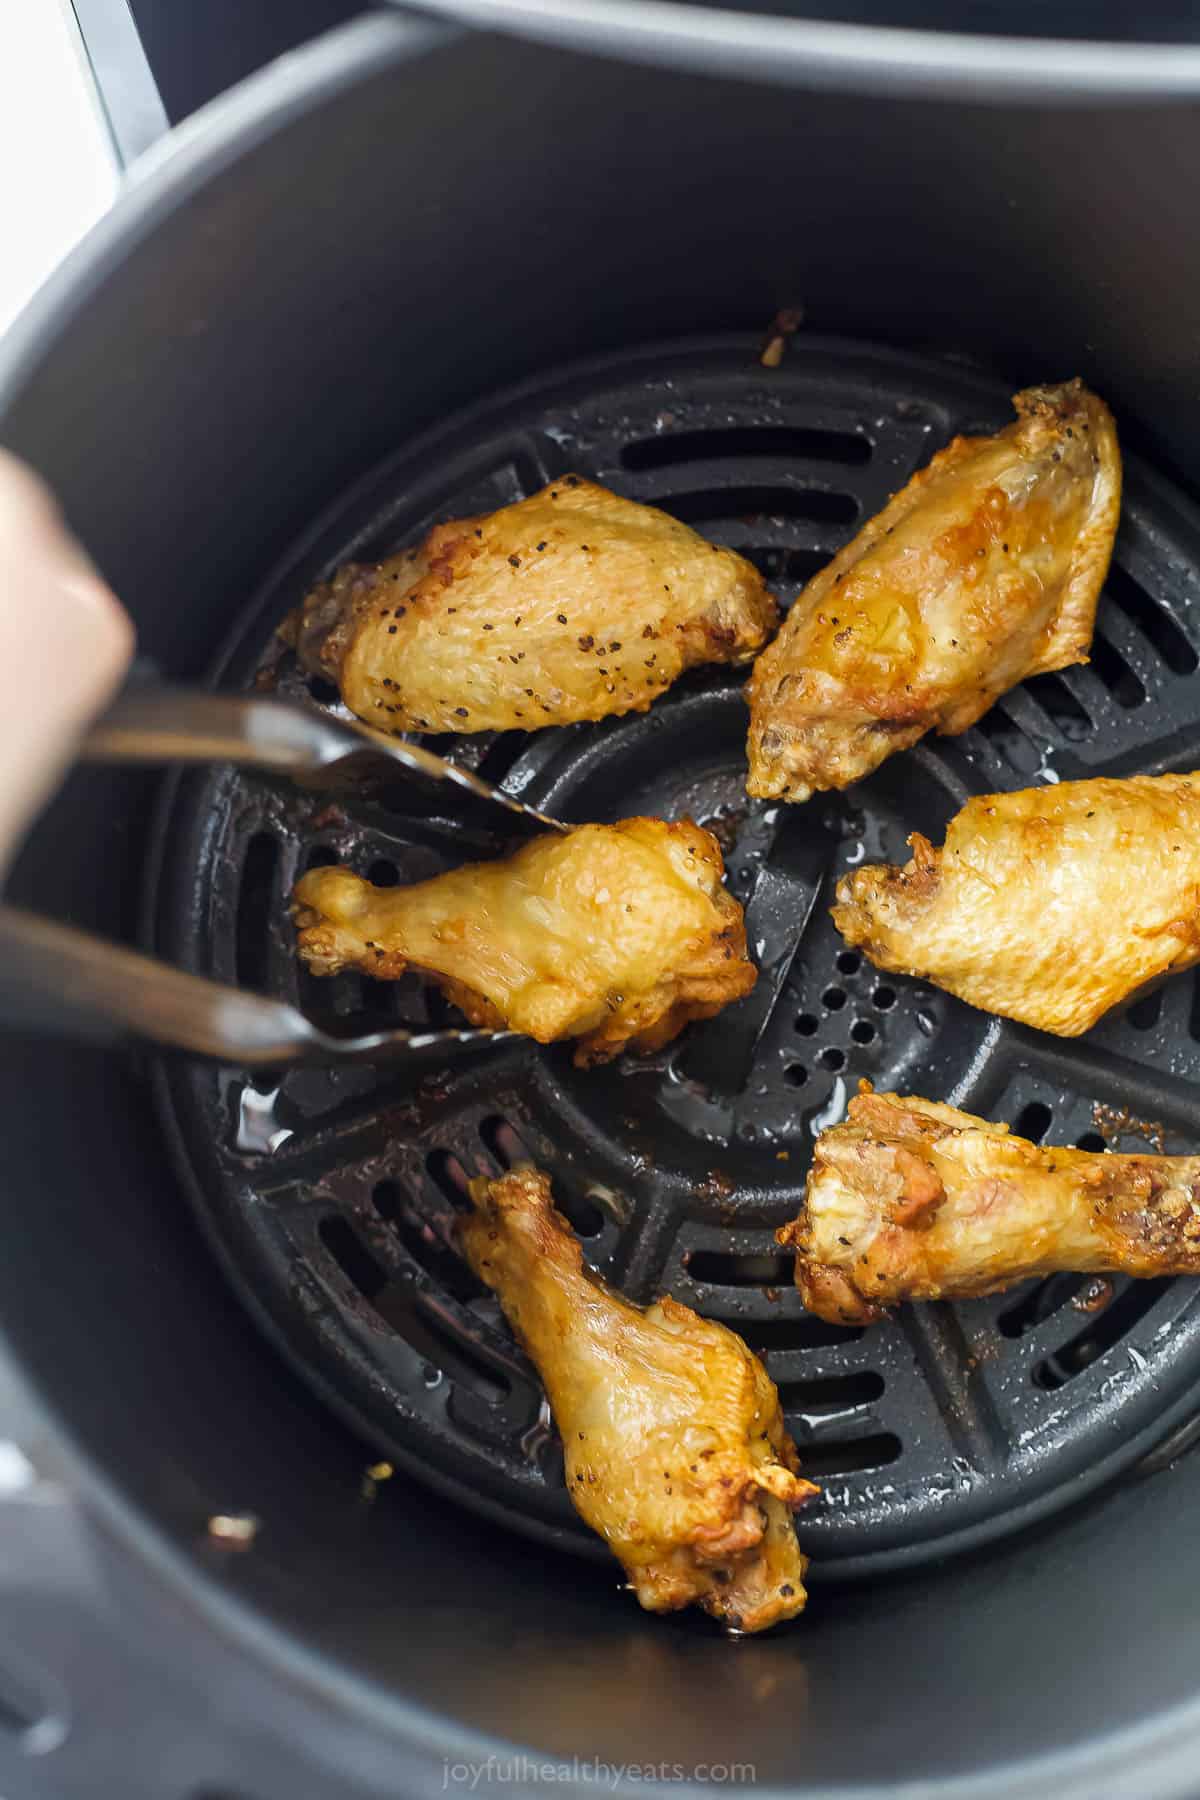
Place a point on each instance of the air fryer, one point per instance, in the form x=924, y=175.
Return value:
x=413, y=272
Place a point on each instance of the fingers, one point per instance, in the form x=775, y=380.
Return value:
x=65, y=643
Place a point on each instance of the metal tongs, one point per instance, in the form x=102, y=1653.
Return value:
x=54, y=977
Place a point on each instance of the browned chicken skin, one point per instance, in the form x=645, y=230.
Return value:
x=911, y=1200
x=986, y=568
x=1049, y=905
x=612, y=934
x=573, y=604
x=674, y=1442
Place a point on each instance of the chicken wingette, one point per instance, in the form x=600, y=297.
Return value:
x=672, y=1433
x=911, y=1200
x=573, y=604
x=611, y=934
x=986, y=568
x=1049, y=905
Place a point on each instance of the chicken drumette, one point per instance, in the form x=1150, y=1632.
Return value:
x=573, y=604
x=984, y=569
x=673, y=1438
x=612, y=934
x=1048, y=905
x=911, y=1200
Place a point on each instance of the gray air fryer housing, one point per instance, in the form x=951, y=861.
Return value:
x=398, y=223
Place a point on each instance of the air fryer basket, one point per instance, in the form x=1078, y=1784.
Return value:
x=396, y=225
x=333, y=1194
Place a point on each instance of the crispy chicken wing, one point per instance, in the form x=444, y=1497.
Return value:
x=612, y=934
x=674, y=1441
x=1049, y=905
x=573, y=604
x=910, y=1200
x=984, y=569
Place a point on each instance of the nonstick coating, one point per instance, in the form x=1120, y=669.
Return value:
x=332, y=1195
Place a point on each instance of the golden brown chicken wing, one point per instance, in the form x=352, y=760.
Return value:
x=673, y=1438
x=1049, y=905
x=910, y=1200
x=984, y=569
x=573, y=604
x=612, y=934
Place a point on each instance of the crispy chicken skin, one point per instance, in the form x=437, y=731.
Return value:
x=1049, y=905
x=573, y=604
x=675, y=1447
x=986, y=568
x=910, y=1200
x=611, y=934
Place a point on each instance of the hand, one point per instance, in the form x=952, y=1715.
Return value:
x=65, y=643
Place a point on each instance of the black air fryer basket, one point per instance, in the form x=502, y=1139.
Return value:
x=413, y=274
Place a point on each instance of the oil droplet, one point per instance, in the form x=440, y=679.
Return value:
x=833, y=1112
x=856, y=852
x=692, y=1106
x=534, y=1441
x=1094, y=1295
x=1045, y=770
x=926, y=1023
x=258, y=1128
x=431, y=1375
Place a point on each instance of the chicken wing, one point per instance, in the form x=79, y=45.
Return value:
x=1048, y=905
x=573, y=604
x=672, y=1433
x=910, y=1200
x=612, y=934
x=984, y=569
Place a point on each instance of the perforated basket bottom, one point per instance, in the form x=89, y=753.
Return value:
x=331, y=1199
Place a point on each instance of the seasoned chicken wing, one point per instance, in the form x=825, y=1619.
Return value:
x=672, y=1433
x=984, y=569
x=573, y=604
x=910, y=1200
x=1048, y=905
x=612, y=934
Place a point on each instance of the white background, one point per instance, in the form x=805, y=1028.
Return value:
x=57, y=168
